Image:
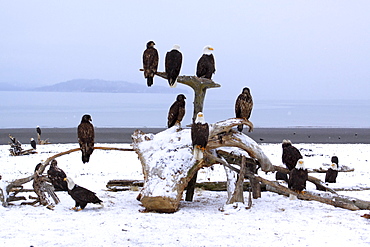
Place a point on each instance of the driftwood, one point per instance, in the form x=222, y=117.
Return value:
x=330, y=197
x=168, y=164
x=16, y=148
x=237, y=196
x=6, y=197
x=128, y=184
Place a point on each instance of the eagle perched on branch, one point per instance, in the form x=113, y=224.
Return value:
x=177, y=111
x=199, y=136
x=206, y=63
x=173, y=62
x=150, y=62
x=243, y=106
x=86, y=135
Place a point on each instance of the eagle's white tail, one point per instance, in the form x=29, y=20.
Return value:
x=174, y=84
x=198, y=153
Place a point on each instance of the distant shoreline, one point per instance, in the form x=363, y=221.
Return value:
x=260, y=135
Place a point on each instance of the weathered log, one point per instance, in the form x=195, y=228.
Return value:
x=4, y=195
x=168, y=164
x=127, y=184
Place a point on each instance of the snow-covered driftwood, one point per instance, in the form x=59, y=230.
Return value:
x=168, y=163
x=7, y=188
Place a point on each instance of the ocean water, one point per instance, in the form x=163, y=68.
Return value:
x=62, y=110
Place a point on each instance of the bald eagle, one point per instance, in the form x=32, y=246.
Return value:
x=244, y=106
x=150, y=62
x=57, y=176
x=173, y=63
x=298, y=177
x=331, y=174
x=85, y=133
x=199, y=136
x=177, y=111
x=33, y=143
x=206, y=63
x=81, y=195
x=290, y=154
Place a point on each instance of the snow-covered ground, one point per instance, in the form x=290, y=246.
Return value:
x=273, y=220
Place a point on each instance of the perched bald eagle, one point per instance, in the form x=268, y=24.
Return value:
x=33, y=143
x=199, y=136
x=81, y=195
x=290, y=154
x=244, y=106
x=85, y=133
x=177, y=111
x=331, y=174
x=173, y=62
x=206, y=63
x=57, y=176
x=298, y=177
x=150, y=62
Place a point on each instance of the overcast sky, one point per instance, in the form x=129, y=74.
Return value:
x=280, y=49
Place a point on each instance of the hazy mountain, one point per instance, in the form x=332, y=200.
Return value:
x=98, y=86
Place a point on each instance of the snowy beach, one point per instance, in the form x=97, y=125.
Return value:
x=272, y=219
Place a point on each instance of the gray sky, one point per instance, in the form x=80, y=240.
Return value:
x=280, y=49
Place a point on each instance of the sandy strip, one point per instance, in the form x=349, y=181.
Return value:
x=260, y=135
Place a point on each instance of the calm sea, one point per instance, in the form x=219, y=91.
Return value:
x=61, y=110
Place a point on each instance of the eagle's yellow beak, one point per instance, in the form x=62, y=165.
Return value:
x=210, y=48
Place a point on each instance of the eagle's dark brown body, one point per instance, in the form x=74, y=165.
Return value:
x=86, y=135
x=57, y=176
x=150, y=62
x=200, y=134
x=291, y=155
x=177, y=111
x=206, y=66
x=297, y=179
x=331, y=176
x=173, y=62
x=243, y=106
x=81, y=195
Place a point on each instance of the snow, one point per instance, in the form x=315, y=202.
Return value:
x=272, y=220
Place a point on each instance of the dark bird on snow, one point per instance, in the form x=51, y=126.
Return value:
x=81, y=195
x=57, y=176
x=298, y=177
x=244, y=106
x=334, y=159
x=332, y=173
x=291, y=154
x=38, y=130
x=177, y=111
x=206, y=63
x=199, y=136
x=33, y=143
x=281, y=176
x=85, y=133
x=173, y=62
x=150, y=62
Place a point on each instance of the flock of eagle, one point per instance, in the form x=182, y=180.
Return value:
x=298, y=174
x=291, y=156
